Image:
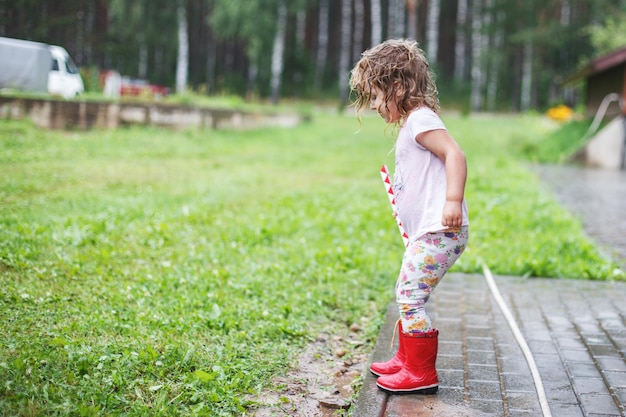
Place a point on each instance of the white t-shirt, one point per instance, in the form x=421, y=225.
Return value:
x=420, y=177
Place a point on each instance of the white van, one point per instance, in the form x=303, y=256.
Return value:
x=64, y=78
x=38, y=67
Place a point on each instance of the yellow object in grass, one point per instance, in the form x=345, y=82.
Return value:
x=560, y=113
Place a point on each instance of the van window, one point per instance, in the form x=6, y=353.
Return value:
x=55, y=65
x=71, y=67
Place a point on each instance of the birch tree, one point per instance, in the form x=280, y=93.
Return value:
x=376, y=21
x=527, y=75
x=396, y=18
x=278, y=52
x=182, y=63
x=460, y=48
x=344, y=51
x=477, y=72
x=142, y=66
x=565, y=13
x=322, y=45
x=496, y=43
x=432, y=30
x=359, y=27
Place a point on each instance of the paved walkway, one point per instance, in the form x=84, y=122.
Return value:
x=597, y=197
x=575, y=329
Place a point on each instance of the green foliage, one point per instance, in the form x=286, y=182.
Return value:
x=610, y=35
x=150, y=272
x=143, y=30
x=251, y=22
x=557, y=146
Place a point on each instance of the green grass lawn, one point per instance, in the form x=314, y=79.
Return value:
x=151, y=272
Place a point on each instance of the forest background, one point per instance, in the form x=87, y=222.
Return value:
x=494, y=55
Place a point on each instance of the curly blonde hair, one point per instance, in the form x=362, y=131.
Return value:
x=399, y=68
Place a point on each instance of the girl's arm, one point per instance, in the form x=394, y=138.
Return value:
x=445, y=147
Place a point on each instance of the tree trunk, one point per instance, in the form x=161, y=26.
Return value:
x=300, y=28
x=322, y=45
x=210, y=65
x=496, y=44
x=460, y=49
x=359, y=28
x=344, y=53
x=477, y=57
x=142, y=67
x=396, y=18
x=447, y=40
x=432, y=30
x=277, y=52
x=377, y=22
x=565, y=19
x=527, y=75
x=182, y=62
x=411, y=8
x=253, y=72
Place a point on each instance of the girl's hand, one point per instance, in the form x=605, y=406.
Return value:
x=452, y=214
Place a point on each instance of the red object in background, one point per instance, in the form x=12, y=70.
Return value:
x=137, y=87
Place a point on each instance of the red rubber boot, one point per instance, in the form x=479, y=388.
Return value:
x=394, y=364
x=418, y=375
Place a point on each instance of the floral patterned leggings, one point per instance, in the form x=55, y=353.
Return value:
x=425, y=262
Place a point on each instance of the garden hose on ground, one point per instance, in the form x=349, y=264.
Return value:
x=519, y=337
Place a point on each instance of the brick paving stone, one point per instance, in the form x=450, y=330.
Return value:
x=566, y=410
x=483, y=373
x=448, y=403
x=599, y=404
x=518, y=382
x=450, y=378
x=523, y=400
x=516, y=365
x=485, y=390
x=450, y=361
x=589, y=386
x=612, y=364
x=616, y=379
x=488, y=407
x=584, y=369
x=553, y=374
x=481, y=357
x=576, y=355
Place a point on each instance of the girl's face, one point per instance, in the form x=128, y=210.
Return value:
x=386, y=109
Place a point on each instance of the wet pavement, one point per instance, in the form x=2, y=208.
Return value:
x=574, y=329
x=597, y=197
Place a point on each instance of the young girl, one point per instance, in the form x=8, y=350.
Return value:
x=429, y=185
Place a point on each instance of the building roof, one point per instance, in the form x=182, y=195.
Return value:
x=598, y=65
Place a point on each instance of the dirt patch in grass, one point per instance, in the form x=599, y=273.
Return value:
x=323, y=382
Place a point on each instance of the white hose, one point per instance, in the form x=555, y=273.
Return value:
x=541, y=394
x=608, y=99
